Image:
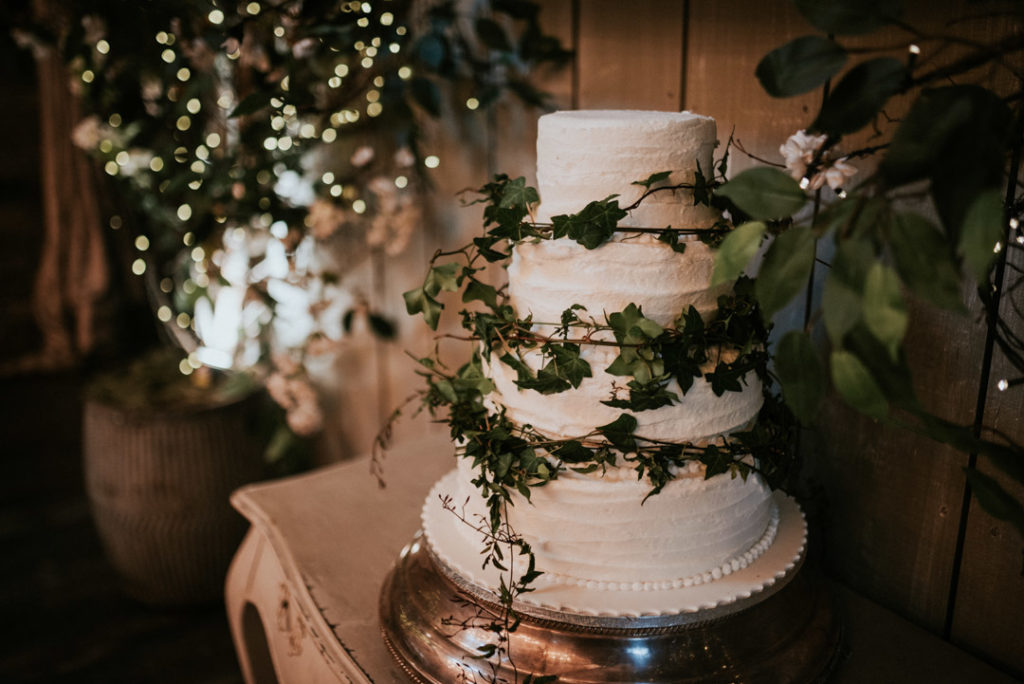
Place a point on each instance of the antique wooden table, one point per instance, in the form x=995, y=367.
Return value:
x=302, y=591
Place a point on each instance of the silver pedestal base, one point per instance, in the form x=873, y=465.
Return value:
x=435, y=629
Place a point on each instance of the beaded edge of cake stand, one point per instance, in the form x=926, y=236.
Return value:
x=698, y=601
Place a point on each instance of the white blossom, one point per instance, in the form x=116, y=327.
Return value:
x=362, y=156
x=404, y=157
x=799, y=151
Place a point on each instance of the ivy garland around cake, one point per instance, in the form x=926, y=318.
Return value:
x=512, y=457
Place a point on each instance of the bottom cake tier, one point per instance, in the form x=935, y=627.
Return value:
x=774, y=553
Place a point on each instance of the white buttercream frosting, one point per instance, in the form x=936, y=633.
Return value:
x=587, y=155
x=597, y=531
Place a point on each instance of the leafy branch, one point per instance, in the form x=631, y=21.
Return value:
x=962, y=144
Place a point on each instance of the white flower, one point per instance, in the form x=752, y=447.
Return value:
x=87, y=134
x=304, y=48
x=362, y=156
x=404, y=157
x=305, y=420
x=799, y=151
x=138, y=159
x=277, y=388
x=324, y=219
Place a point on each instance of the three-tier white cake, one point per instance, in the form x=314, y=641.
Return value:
x=602, y=547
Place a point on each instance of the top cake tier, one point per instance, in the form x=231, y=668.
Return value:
x=584, y=156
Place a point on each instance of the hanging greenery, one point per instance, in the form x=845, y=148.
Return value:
x=957, y=149
x=258, y=150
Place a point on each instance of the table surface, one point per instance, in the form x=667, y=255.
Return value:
x=337, y=534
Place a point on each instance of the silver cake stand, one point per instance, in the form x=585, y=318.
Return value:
x=434, y=623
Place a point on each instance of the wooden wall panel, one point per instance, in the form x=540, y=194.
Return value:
x=725, y=41
x=515, y=135
x=988, y=614
x=630, y=54
x=890, y=506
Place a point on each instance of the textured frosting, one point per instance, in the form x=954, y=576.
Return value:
x=587, y=155
x=698, y=416
x=762, y=569
x=547, y=277
x=596, y=532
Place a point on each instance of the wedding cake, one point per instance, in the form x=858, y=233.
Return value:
x=604, y=544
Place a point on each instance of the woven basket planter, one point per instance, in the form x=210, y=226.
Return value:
x=158, y=484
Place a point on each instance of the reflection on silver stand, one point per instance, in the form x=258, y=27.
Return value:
x=434, y=623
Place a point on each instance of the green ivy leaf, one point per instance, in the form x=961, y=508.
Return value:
x=570, y=365
x=736, y=251
x=800, y=66
x=801, y=375
x=518, y=194
x=853, y=381
x=444, y=277
x=848, y=17
x=996, y=501
x=786, y=269
x=671, y=238
x=764, y=193
x=983, y=228
x=619, y=433
x=885, y=313
x=859, y=96
x=842, y=297
x=632, y=327
x=593, y=225
x=923, y=260
x=573, y=452
x=652, y=179
x=418, y=301
x=477, y=291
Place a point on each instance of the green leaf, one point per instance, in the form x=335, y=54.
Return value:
x=492, y=35
x=848, y=17
x=418, y=301
x=382, y=326
x=853, y=381
x=593, y=225
x=957, y=137
x=431, y=50
x=444, y=277
x=800, y=66
x=859, y=96
x=996, y=501
x=570, y=365
x=253, y=103
x=786, y=269
x=671, y=238
x=518, y=194
x=573, y=452
x=736, y=251
x=426, y=94
x=631, y=326
x=619, y=433
x=764, y=193
x=653, y=178
x=885, y=313
x=801, y=375
x=983, y=228
x=923, y=260
x=842, y=297
x=477, y=291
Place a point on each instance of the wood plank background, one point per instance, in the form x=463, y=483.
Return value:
x=886, y=505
